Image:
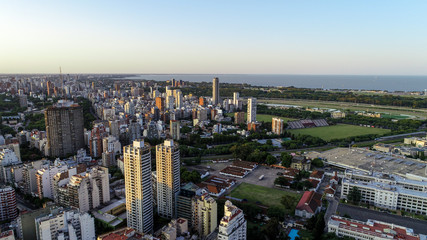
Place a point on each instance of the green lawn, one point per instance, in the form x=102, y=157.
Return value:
x=263, y=117
x=266, y=196
x=339, y=131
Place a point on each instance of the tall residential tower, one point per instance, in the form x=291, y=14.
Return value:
x=138, y=187
x=215, y=91
x=168, y=178
x=251, y=110
x=277, y=126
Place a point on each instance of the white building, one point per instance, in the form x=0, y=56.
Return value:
x=236, y=99
x=44, y=179
x=65, y=224
x=233, y=224
x=8, y=159
x=111, y=144
x=372, y=229
x=217, y=128
x=389, y=191
x=138, y=187
x=170, y=102
x=85, y=191
x=168, y=177
x=129, y=108
x=251, y=110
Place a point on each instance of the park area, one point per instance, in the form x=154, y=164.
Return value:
x=263, y=195
x=339, y=131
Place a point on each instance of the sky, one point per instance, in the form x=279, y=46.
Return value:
x=214, y=37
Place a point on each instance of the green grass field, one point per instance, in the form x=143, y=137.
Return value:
x=266, y=196
x=339, y=131
x=263, y=117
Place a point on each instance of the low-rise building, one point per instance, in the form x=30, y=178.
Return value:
x=382, y=147
x=301, y=163
x=234, y=172
x=309, y=204
x=388, y=191
x=371, y=229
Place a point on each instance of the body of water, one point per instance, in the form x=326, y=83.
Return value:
x=358, y=82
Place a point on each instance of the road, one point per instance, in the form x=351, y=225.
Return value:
x=363, y=214
x=332, y=209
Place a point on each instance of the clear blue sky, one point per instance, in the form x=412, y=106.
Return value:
x=196, y=36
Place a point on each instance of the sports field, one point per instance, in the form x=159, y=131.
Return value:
x=264, y=195
x=339, y=131
x=263, y=117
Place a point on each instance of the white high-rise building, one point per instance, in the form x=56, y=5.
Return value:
x=251, y=110
x=277, y=125
x=179, y=98
x=170, y=102
x=138, y=187
x=168, y=178
x=129, y=108
x=65, y=224
x=233, y=224
x=156, y=93
x=236, y=99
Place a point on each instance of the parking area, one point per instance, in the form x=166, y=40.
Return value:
x=363, y=214
x=270, y=174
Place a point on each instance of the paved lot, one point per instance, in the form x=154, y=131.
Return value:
x=363, y=214
x=270, y=174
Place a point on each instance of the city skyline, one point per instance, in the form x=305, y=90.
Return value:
x=328, y=37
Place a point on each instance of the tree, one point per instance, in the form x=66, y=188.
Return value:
x=187, y=176
x=289, y=202
x=270, y=160
x=354, y=195
x=276, y=212
x=286, y=159
x=281, y=181
x=319, y=226
x=317, y=162
x=271, y=230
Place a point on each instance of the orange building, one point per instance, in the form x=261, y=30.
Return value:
x=160, y=103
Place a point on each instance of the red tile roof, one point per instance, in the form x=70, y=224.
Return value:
x=309, y=202
x=375, y=228
x=317, y=174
